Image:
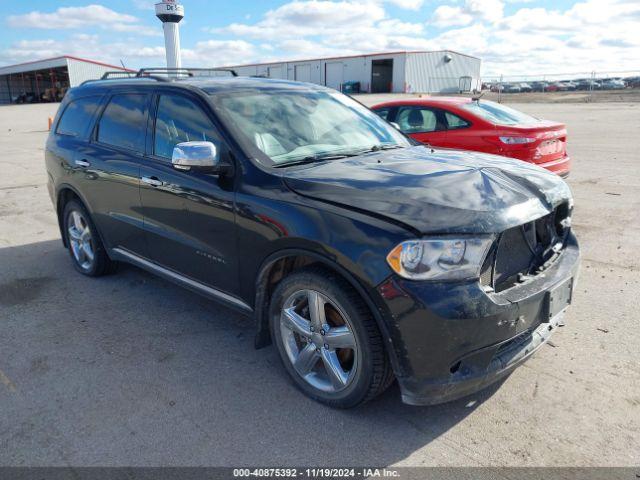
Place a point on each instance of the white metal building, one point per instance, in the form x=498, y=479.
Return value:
x=47, y=80
x=442, y=71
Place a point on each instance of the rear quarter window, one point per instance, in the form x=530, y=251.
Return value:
x=77, y=116
x=454, y=121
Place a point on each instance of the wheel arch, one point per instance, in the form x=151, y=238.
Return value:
x=281, y=263
x=66, y=193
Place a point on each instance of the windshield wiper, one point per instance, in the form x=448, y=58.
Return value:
x=338, y=156
x=385, y=146
x=316, y=159
x=380, y=147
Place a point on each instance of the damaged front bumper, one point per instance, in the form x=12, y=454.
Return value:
x=453, y=339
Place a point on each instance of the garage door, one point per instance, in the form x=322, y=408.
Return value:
x=303, y=73
x=334, y=75
x=274, y=72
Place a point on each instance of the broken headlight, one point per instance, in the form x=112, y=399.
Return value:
x=440, y=259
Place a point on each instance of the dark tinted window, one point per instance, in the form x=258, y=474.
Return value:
x=382, y=112
x=123, y=123
x=454, y=121
x=180, y=120
x=77, y=116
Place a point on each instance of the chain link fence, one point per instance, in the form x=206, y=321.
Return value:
x=588, y=82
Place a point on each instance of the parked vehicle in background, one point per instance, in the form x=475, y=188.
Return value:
x=362, y=255
x=525, y=87
x=511, y=88
x=613, y=84
x=483, y=126
x=632, y=82
x=539, y=86
x=588, y=84
x=569, y=85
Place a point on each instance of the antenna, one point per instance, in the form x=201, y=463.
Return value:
x=170, y=12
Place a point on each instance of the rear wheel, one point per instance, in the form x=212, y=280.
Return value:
x=85, y=247
x=328, y=339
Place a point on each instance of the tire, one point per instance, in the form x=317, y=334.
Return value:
x=343, y=365
x=82, y=238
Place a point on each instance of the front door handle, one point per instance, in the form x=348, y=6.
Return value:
x=153, y=181
x=82, y=163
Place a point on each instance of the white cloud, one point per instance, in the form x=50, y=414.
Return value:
x=469, y=11
x=599, y=35
x=145, y=4
x=396, y=27
x=303, y=18
x=408, y=4
x=203, y=54
x=591, y=34
x=213, y=53
x=82, y=45
x=303, y=29
x=448, y=16
x=68, y=18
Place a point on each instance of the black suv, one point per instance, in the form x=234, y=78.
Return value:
x=364, y=257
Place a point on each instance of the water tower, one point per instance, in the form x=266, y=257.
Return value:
x=170, y=12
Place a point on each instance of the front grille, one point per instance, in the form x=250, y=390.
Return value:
x=524, y=251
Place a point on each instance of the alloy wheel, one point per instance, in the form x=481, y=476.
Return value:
x=319, y=340
x=80, y=240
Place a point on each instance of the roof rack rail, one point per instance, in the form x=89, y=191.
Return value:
x=112, y=75
x=119, y=75
x=160, y=74
x=116, y=74
x=189, y=72
x=146, y=72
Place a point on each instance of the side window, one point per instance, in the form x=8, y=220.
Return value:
x=77, y=116
x=454, y=121
x=382, y=112
x=180, y=120
x=123, y=123
x=418, y=120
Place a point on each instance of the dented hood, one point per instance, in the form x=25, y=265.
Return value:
x=435, y=191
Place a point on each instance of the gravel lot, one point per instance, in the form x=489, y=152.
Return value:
x=132, y=370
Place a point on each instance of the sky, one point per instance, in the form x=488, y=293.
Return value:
x=512, y=37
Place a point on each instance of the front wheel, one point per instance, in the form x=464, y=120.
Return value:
x=328, y=339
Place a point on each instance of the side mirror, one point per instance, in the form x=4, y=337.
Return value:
x=198, y=156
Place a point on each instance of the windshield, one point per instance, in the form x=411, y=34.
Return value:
x=288, y=126
x=499, y=114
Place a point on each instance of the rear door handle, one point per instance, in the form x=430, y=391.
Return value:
x=82, y=163
x=153, y=181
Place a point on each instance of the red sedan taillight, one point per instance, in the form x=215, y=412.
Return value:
x=517, y=140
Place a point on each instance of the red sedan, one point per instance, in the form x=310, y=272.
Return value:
x=483, y=126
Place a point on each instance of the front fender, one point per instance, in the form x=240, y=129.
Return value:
x=362, y=286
